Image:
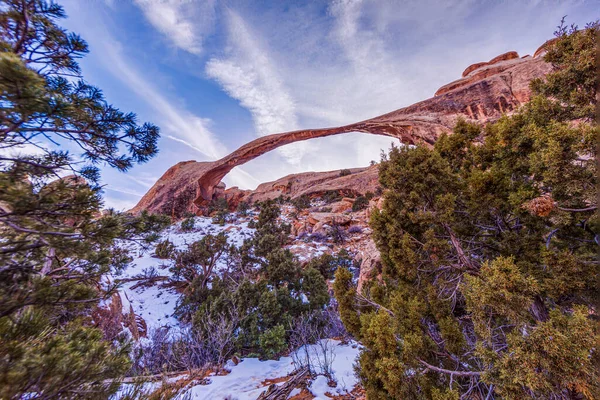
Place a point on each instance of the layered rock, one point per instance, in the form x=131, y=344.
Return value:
x=358, y=182
x=487, y=91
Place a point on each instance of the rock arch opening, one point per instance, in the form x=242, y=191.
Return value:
x=482, y=95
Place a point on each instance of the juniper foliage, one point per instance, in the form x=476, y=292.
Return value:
x=489, y=244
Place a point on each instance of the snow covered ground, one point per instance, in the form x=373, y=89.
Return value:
x=244, y=382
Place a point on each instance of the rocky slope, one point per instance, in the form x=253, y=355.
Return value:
x=484, y=92
x=358, y=182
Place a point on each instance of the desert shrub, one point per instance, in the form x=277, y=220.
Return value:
x=327, y=263
x=216, y=205
x=337, y=233
x=266, y=287
x=325, y=209
x=273, y=341
x=360, y=203
x=220, y=218
x=57, y=244
x=243, y=208
x=164, y=249
x=281, y=199
x=369, y=195
x=331, y=196
x=345, y=172
x=188, y=224
x=301, y=202
x=318, y=237
x=308, y=340
x=473, y=270
x=355, y=229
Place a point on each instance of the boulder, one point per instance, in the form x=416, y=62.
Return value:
x=328, y=218
x=341, y=206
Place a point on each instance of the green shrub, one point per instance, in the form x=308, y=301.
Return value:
x=360, y=203
x=220, y=218
x=273, y=342
x=345, y=172
x=331, y=196
x=216, y=205
x=337, y=233
x=327, y=264
x=243, y=208
x=188, y=224
x=302, y=202
x=485, y=258
x=164, y=249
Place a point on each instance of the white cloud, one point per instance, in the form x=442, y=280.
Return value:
x=247, y=74
x=183, y=22
x=293, y=67
x=305, y=64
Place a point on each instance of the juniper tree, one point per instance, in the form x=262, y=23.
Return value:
x=489, y=246
x=265, y=287
x=56, y=243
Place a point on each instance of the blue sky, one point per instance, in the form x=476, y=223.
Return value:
x=214, y=75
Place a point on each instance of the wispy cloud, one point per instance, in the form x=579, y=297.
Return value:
x=175, y=121
x=313, y=64
x=246, y=73
x=179, y=124
x=183, y=22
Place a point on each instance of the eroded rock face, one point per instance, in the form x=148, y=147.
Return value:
x=483, y=95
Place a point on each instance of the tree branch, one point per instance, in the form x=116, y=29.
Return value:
x=449, y=372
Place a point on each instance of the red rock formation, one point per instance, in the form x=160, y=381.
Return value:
x=486, y=93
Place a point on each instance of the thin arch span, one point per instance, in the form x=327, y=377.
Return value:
x=481, y=96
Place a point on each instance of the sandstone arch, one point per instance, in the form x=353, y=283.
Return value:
x=483, y=94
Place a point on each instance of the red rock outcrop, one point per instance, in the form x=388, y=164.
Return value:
x=358, y=182
x=483, y=95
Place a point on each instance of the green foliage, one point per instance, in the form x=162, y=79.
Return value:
x=220, y=218
x=164, y=249
x=198, y=261
x=243, y=208
x=57, y=359
x=360, y=203
x=345, y=294
x=264, y=290
x=56, y=243
x=188, y=224
x=345, y=172
x=489, y=246
x=327, y=263
x=337, y=233
x=218, y=205
x=273, y=341
x=315, y=288
x=574, y=80
x=301, y=202
x=331, y=196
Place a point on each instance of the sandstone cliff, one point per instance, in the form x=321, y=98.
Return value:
x=485, y=92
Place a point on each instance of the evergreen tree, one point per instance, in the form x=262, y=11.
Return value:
x=489, y=244
x=56, y=243
x=264, y=289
